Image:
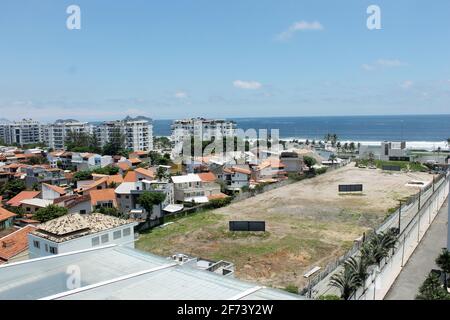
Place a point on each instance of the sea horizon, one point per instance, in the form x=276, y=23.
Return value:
x=417, y=130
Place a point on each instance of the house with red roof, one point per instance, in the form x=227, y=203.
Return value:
x=236, y=177
x=51, y=192
x=24, y=195
x=6, y=218
x=14, y=246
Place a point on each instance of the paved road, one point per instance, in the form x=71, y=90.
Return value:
x=421, y=262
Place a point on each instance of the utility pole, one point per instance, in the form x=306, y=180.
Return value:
x=400, y=217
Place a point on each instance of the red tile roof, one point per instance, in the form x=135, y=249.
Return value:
x=123, y=166
x=103, y=196
x=130, y=177
x=207, y=177
x=15, y=243
x=217, y=196
x=57, y=189
x=5, y=214
x=24, y=195
x=145, y=172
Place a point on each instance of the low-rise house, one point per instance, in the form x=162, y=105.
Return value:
x=143, y=156
x=269, y=171
x=105, y=198
x=6, y=219
x=75, y=203
x=124, y=166
x=36, y=175
x=60, y=159
x=15, y=201
x=51, y=192
x=89, y=161
x=33, y=205
x=235, y=177
x=74, y=232
x=127, y=195
x=84, y=189
x=145, y=174
x=195, y=187
x=293, y=162
x=14, y=246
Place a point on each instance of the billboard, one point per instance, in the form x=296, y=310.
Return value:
x=350, y=188
x=247, y=225
x=391, y=168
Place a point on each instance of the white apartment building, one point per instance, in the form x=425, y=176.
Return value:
x=55, y=135
x=138, y=133
x=74, y=232
x=26, y=131
x=207, y=129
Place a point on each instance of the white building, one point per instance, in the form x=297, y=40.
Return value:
x=207, y=129
x=26, y=131
x=138, y=134
x=74, y=232
x=55, y=134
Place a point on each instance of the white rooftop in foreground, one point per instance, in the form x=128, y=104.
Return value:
x=121, y=273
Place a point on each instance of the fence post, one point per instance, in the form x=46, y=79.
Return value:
x=403, y=249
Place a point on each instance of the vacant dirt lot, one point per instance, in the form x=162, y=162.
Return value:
x=308, y=224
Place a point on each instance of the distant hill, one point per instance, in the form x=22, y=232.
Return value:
x=65, y=120
x=138, y=118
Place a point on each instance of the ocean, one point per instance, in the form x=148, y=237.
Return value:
x=418, y=130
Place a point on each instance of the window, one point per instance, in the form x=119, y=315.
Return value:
x=117, y=234
x=95, y=241
x=28, y=209
x=126, y=232
x=36, y=244
x=105, y=238
x=46, y=247
x=53, y=250
x=82, y=211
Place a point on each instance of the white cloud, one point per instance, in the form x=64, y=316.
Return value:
x=383, y=63
x=407, y=84
x=299, y=26
x=248, y=85
x=181, y=95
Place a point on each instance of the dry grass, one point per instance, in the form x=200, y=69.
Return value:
x=308, y=223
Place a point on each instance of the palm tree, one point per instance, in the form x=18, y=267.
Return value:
x=378, y=247
x=332, y=158
x=443, y=261
x=338, y=146
x=448, y=143
x=359, y=267
x=347, y=281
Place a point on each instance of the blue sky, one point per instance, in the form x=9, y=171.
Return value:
x=171, y=59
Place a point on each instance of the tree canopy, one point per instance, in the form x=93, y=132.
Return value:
x=49, y=213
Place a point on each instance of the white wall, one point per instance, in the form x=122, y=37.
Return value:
x=81, y=243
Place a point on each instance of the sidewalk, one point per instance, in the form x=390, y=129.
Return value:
x=417, y=268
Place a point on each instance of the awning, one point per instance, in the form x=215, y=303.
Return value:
x=173, y=208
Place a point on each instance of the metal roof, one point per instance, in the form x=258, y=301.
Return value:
x=116, y=272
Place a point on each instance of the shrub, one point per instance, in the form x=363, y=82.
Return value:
x=291, y=288
x=219, y=203
x=432, y=289
x=329, y=297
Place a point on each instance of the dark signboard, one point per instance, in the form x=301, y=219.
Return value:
x=391, y=168
x=350, y=188
x=247, y=226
